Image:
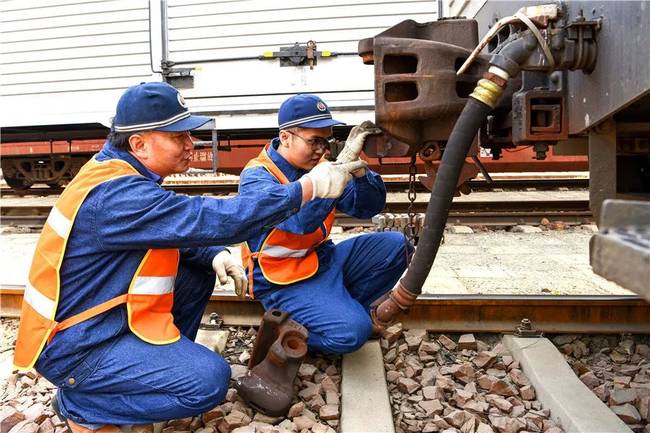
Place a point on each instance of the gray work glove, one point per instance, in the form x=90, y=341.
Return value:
x=329, y=178
x=354, y=143
x=225, y=265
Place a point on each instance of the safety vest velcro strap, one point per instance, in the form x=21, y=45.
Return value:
x=91, y=312
x=280, y=251
x=43, y=305
x=59, y=223
x=152, y=285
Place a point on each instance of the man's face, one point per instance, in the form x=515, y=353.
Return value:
x=164, y=153
x=304, y=147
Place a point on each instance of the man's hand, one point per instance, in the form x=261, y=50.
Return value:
x=329, y=178
x=225, y=265
x=354, y=143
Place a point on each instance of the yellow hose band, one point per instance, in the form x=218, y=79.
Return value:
x=487, y=92
x=487, y=84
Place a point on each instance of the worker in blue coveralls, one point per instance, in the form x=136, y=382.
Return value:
x=326, y=287
x=124, y=269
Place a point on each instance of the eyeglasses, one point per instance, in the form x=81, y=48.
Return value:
x=316, y=143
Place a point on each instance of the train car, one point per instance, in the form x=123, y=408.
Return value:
x=65, y=63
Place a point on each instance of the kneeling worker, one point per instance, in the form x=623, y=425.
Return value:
x=123, y=270
x=325, y=287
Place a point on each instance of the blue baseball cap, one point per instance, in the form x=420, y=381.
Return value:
x=305, y=111
x=154, y=107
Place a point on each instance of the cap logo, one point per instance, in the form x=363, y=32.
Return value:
x=321, y=106
x=181, y=100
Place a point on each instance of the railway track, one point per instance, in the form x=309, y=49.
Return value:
x=197, y=187
x=491, y=213
x=459, y=313
x=376, y=389
x=367, y=387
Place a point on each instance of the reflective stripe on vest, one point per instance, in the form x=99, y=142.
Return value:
x=149, y=303
x=151, y=297
x=284, y=257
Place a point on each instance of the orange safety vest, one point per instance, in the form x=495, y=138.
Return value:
x=284, y=257
x=150, y=294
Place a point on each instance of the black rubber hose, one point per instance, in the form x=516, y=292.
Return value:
x=453, y=158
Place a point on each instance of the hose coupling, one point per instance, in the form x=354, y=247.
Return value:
x=489, y=89
x=384, y=310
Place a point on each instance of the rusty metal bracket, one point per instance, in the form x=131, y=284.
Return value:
x=181, y=78
x=214, y=323
x=468, y=172
x=539, y=115
x=526, y=330
x=297, y=55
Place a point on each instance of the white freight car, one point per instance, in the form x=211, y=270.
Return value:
x=65, y=62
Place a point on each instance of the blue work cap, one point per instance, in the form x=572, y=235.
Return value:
x=305, y=111
x=154, y=107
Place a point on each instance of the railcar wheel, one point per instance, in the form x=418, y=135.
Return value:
x=17, y=184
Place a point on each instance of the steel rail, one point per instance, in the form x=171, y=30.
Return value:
x=493, y=213
x=459, y=313
x=198, y=188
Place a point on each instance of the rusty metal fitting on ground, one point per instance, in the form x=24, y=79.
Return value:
x=280, y=346
x=384, y=310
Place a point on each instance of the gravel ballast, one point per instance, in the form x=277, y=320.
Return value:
x=458, y=384
x=616, y=369
x=25, y=397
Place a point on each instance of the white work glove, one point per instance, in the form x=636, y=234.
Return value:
x=329, y=178
x=225, y=265
x=354, y=143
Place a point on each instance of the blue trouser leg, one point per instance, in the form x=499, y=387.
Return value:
x=373, y=263
x=191, y=295
x=334, y=304
x=129, y=381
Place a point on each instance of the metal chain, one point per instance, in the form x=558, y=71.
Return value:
x=412, y=231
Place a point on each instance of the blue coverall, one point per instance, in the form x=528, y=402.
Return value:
x=333, y=304
x=105, y=374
